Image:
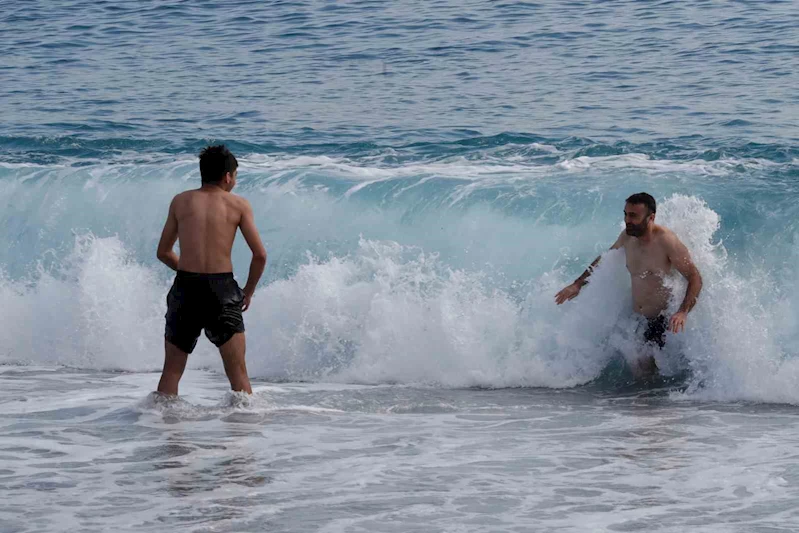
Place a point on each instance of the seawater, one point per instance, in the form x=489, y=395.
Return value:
x=426, y=176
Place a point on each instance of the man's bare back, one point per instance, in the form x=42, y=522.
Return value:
x=205, y=295
x=207, y=220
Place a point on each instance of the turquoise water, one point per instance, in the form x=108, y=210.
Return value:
x=425, y=176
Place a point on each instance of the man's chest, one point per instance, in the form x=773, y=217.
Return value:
x=643, y=260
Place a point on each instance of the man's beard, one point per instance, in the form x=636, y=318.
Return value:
x=636, y=230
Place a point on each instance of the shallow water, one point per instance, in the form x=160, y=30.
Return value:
x=84, y=450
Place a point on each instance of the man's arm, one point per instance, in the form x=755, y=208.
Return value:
x=573, y=290
x=253, y=239
x=169, y=235
x=680, y=257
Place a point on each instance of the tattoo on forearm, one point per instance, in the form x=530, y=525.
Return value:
x=582, y=280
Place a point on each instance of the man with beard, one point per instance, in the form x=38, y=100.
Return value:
x=651, y=251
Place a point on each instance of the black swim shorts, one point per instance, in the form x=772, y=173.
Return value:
x=211, y=302
x=656, y=330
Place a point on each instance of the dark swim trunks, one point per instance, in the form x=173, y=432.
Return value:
x=656, y=330
x=203, y=301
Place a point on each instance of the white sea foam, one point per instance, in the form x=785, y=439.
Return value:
x=423, y=282
x=392, y=313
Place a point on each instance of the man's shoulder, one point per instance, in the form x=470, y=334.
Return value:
x=239, y=201
x=621, y=241
x=185, y=195
x=181, y=198
x=667, y=236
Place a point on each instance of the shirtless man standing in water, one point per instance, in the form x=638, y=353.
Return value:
x=651, y=252
x=204, y=294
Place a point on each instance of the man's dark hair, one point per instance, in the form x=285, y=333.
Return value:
x=645, y=199
x=215, y=161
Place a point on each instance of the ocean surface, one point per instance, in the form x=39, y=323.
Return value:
x=426, y=176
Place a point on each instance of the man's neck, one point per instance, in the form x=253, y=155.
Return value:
x=646, y=238
x=212, y=187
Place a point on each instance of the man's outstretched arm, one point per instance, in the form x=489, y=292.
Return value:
x=258, y=263
x=680, y=257
x=570, y=292
x=169, y=235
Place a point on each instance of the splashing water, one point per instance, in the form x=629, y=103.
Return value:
x=447, y=290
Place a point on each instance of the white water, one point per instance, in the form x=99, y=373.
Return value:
x=470, y=305
x=91, y=452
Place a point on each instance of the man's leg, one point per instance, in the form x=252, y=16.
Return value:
x=233, y=358
x=644, y=367
x=654, y=339
x=174, y=365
